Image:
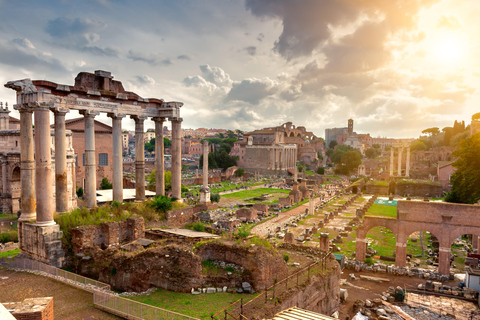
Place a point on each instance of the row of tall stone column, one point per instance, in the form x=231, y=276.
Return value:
x=282, y=158
x=37, y=191
x=399, y=163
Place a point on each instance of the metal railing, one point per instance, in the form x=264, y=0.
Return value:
x=257, y=307
x=130, y=309
x=70, y=278
x=103, y=298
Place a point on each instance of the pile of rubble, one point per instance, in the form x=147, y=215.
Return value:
x=401, y=271
x=435, y=286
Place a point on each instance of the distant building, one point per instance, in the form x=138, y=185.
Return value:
x=103, y=150
x=445, y=169
x=331, y=134
x=149, y=135
x=278, y=148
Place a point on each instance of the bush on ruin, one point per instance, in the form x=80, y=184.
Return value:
x=162, y=203
x=215, y=197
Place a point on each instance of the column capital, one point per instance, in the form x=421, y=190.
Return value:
x=89, y=113
x=59, y=110
x=138, y=118
x=23, y=108
x=159, y=119
x=175, y=119
x=115, y=115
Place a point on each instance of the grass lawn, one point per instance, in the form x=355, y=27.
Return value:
x=8, y=216
x=253, y=193
x=382, y=211
x=11, y=253
x=200, y=306
x=384, y=242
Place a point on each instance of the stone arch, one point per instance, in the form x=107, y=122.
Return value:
x=369, y=223
x=292, y=134
x=16, y=174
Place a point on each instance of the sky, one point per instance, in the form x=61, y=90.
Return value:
x=396, y=67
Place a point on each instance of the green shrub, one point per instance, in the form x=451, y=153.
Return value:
x=80, y=192
x=369, y=261
x=113, y=271
x=321, y=170
x=231, y=269
x=197, y=226
x=105, y=185
x=7, y=236
x=286, y=257
x=115, y=204
x=215, y=197
x=162, y=203
x=243, y=232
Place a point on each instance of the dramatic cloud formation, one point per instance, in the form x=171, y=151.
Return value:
x=394, y=66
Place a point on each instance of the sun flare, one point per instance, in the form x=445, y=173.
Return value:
x=447, y=48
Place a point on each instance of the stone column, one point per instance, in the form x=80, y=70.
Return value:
x=61, y=174
x=391, y=161
x=177, y=158
x=400, y=152
x=139, y=158
x=43, y=166
x=117, y=180
x=90, y=161
x=407, y=164
x=4, y=175
x=205, y=190
x=26, y=164
x=361, y=248
x=444, y=260
x=159, y=157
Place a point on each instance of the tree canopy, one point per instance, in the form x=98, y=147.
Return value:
x=466, y=180
x=349, y=162
x=418, y=145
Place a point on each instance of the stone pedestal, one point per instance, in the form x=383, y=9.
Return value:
x=42, y=243
x=205, y=195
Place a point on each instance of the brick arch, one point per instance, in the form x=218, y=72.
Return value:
x=369, y=223
x=416, y=227
x=459, y=231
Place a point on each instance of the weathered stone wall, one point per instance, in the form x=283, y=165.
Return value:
x=178, y=218
x=256, y=158
x=42, y=243
x=172, y=268
x=263, y=265
x=301, y=248
x=379, y=190
x=107, y=234
x=419, y=189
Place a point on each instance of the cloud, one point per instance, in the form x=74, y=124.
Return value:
x=216, y=75
x=184, y=57
x=144, y=79
x=79, y=34
x=20, y=54
x=260, y=37
x=24, y=43
x=251, y=50
x=151, y=59
x=311, y=25
x=252, y=90
x=449, y=22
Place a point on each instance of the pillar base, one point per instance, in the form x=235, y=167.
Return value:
x=42, y=243
x=27, y=217
x=205, y=195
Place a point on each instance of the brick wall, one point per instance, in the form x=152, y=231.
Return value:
x=107, y=234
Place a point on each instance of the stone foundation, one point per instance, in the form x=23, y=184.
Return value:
x=31, y=309
x=42, y=243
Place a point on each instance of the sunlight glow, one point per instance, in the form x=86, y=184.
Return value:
x=447, y=48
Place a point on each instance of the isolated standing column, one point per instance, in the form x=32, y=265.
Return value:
x=139, y=158
x=117, y=180
x=176, y=158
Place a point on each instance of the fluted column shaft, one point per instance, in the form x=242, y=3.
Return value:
x=159, y=157
x=139, y=158
x=61, y=175
x=176, y=158
x=117, y=180
x=90, y=162
x=43, y=171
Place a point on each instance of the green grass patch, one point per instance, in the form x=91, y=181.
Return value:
x=382, y=211
x=8, y=216
x=384, y=242
x=200, y=306
x=253, y=193
x=9, y=236
x=9, y=253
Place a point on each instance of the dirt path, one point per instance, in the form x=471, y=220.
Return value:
x=68, y=303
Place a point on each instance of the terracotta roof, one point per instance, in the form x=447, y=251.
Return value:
x=12, y=119
x=107, y=128
x=442, y=164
